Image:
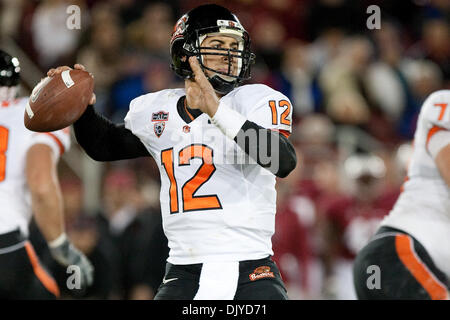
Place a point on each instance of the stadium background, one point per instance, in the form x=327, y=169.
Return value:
x=356, y=94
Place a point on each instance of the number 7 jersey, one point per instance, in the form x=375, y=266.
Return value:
x=216, y=205
x=423, y=207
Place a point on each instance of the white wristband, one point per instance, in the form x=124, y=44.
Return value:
x=58, y=241
x=229, y=121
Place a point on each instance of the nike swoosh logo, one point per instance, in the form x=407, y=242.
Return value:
x=168, y=280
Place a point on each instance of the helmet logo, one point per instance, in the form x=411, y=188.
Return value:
x=179, y=28
x=229, y=23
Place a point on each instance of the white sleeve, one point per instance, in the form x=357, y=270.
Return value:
x=256, y=103
x=436, y=115
x=136, y=120
x=272, y=111
x=58, y=141
x=129, y=117
x=436, y=109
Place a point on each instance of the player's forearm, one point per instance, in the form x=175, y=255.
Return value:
x=268, y=148
x=47, y=205
x=105, y=141
x=46, y=198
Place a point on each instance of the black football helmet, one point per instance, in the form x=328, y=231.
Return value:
x=188, y=34
x=9, y=70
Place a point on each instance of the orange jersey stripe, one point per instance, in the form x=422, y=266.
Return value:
x=187, y=112
x=58, y=142
x=283, y=132
x=405, y=251
x=48, y=282
x=402, y=187
x=431, y=133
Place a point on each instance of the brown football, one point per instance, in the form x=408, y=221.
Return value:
x=57, y=102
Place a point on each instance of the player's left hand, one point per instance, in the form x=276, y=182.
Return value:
x=66, y=255
x=199, y=92
x=55, y=71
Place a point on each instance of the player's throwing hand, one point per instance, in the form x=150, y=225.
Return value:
x=199, y=92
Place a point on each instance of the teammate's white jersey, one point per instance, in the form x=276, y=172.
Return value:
x=423, y=208
x=15, y=140
x=215, y=207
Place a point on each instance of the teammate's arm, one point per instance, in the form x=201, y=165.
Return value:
x=47, y=205
x=46, y=196
x=105, y=141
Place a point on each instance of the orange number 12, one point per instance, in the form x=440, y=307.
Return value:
x=190, y=201
x=284, y=116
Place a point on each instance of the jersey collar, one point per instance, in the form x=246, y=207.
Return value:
x=186, y=113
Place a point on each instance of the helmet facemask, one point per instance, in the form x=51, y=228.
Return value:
x=239, y=60
x=235, y=57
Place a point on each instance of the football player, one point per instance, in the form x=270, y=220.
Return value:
x=219, y=146
x=29, y=183
x=409, y=256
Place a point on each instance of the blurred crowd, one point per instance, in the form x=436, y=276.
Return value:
x=356, y=93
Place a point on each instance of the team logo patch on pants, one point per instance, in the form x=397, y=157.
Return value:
x=260, y=273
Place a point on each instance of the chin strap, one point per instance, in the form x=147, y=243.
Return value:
x=221, y=86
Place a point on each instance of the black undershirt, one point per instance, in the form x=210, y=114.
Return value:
x=105, y=141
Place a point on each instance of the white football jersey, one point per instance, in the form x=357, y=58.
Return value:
x=423, y=207
x=15, y=140
x=215, y=206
